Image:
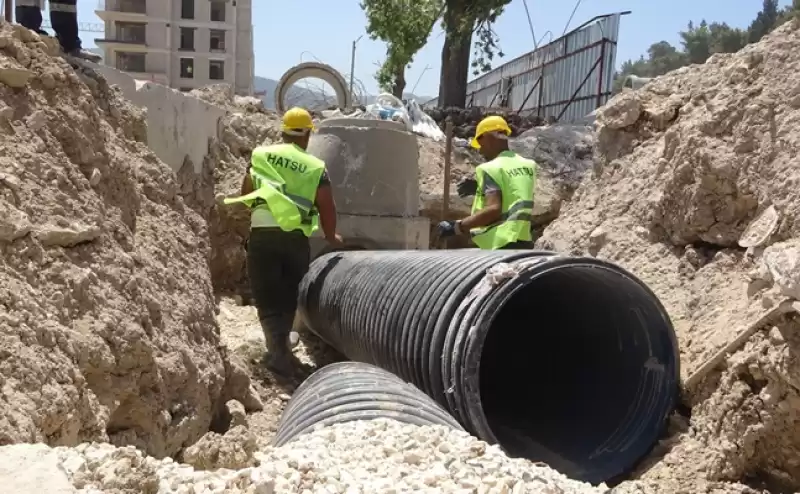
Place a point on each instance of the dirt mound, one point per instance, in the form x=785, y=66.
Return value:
x=466, y=119
x=563, y=151
x=106, y=307
x=683, y=166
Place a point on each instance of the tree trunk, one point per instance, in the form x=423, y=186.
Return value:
x=455, y=58
x=399, y=83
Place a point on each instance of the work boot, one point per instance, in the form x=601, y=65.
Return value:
x=30, y=17
x=279, y=358
x=64, y=18
x=85, y=55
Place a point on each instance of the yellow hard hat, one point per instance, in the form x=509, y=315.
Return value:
x=490, y=124
x=296, y=119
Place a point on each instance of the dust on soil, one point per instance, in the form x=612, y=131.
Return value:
x=682, y=167
x=108, y=330
x=241, y=333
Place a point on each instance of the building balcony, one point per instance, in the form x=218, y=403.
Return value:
x=122, y=10
x=123, y=43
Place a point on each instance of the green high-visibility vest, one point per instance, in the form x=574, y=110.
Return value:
x=516, y=177
x=285, y=181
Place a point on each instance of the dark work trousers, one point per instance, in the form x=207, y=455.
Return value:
x=520, y=244
x=276, y=263
x=63, y=17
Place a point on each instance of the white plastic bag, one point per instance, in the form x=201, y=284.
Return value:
x=387, y=107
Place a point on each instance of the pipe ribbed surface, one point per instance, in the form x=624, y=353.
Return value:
x=348, y=391
x=569, y=361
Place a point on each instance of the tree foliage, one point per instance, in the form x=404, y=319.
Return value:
x=479, y=19
x=404, y=26
x=699, y=42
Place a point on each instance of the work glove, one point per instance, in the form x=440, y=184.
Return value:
x=447, y=229
x=467, y=187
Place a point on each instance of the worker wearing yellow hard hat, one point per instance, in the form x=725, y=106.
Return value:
x=297, y=121
x=290, y=196
x=503, y=205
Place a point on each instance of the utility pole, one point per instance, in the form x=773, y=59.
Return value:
x=9, y=10
x=427, y=68
x=353, y=66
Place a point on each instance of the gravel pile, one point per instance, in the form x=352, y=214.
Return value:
x=379, y=456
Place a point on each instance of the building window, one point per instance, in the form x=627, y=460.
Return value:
x=187, y=9
x=187, y=39
x=217, y=40
x=216, y=70
x=217, y=11
x=187, y=68
x=130, y=32
x=130, y=62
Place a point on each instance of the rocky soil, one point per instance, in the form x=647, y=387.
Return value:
x=378, y=456
x=135, y=376
x=465, y=120
x=684, y=167
x=107, y=320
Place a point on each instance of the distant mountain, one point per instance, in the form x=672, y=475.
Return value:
x=307, y=97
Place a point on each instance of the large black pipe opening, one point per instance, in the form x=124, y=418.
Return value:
x=569, y=370
x=570, y=361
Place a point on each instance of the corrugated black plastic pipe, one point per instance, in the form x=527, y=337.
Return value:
x=569, y=361
x=348, y=391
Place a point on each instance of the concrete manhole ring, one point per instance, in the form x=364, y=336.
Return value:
x=312, y=70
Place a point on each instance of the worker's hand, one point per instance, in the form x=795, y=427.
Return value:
x=335, y=241
x=447, y=229
x=467, y=187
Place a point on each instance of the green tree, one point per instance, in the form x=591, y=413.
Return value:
x=766, y=20
x=404, y=26
x=461, y=20
x=696, y=42
x=701, y=41
x=726, y=39
x=662, y=58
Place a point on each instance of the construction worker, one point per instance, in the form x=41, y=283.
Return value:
x=289, y=194
x=501, y=211
x=63, y=18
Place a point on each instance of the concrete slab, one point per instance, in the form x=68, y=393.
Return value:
x=179, y=126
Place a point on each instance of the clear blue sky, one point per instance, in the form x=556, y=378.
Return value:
x=289, y=32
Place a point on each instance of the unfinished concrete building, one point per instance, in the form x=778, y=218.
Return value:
x=183, y=44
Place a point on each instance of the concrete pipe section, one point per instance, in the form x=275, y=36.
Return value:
x=373, y=165
x=312, y=70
